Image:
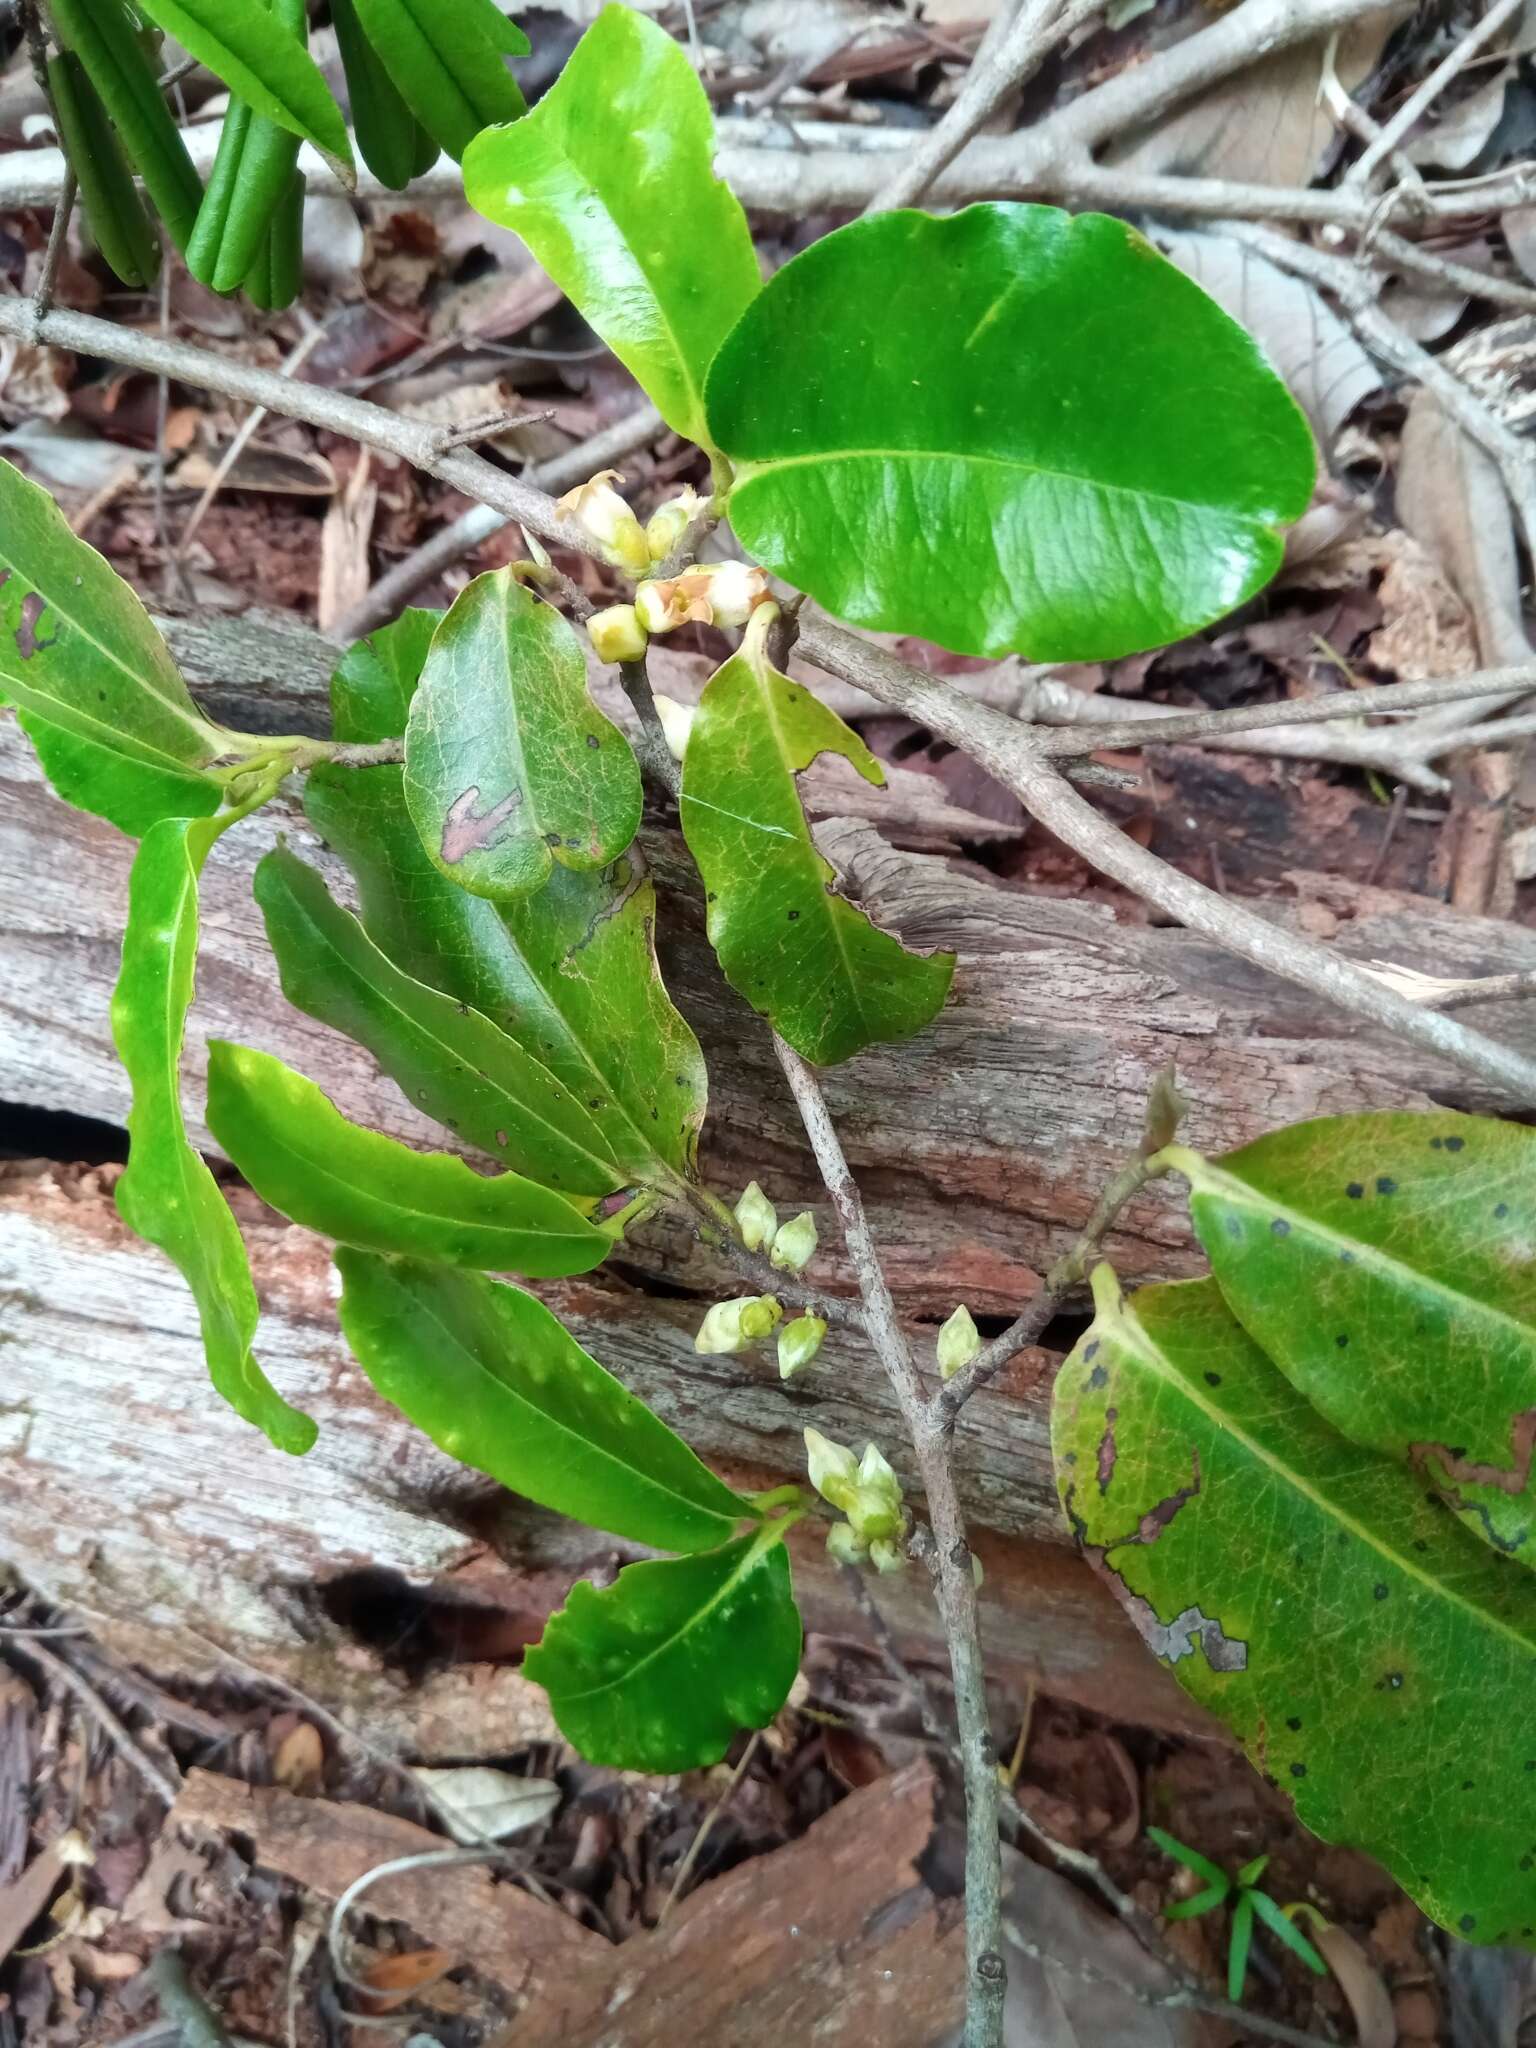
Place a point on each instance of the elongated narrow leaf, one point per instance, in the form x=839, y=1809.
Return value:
x=625, y=212
x=659, y=1670
x=1387, y=1264
x=262, y=63
x=167, y=1193
x=509, y=765
x=304, y=1157
x=446, y=62
x=389, y=137
x=827, y=979
x=446, y=1058
x=1007, y=430
x=495, y=1380
x=251, y=176
x=108, y=42
x=115, y=214
x=79, y=657
x=1372, y=1658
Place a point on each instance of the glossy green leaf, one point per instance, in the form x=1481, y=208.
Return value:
x=509, y=765
x=497, y=1382
x=1387, y=1264
x=446, y=1058
x=827, y=979
x=251, y=178
x=1373, y=1660
x=310, y=1162
x=80, y=657
x=624, y=211
x=167, y=1193
x=447, y=63
x=1007, y=430
x=658, y=1671
x=389, y=137
x=274, y=280
x=109, y=199
x=106, y=39
x=375, y=680
x=263, y=63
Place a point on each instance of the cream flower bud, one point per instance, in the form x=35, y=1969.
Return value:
x=843, y=1547
x=756, y=1217
x=731, y=1326
x=959, y=1342
x=875, y=1507
x=617, y=633
x=887, y=1558
x=670, y=521
x=831, y=1468
x=799, y=1343
x=794, y=1244
x=736, y=589
x=598, y=508
x=676, y=723
x=714, y=594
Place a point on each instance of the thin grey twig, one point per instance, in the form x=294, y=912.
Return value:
x=656, y=757
x=987, y=1971
x=53, y=255
x=1424, y=95
x=707, y=1826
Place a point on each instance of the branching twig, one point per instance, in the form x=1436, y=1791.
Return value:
x=66, y=1675
x=1424, y=95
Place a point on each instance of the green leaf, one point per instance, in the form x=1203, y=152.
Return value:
x=114, y=212
x=1007, y=430
x=1239, y=1943
x=79, y=655
x=826, y=978
x=274, y=279
x=310, y=1162
x=375, y=680
x=1310, y=1596
x=1385, y=1263
x=624, y=212
x=447, y=63
x=496, y=1381
x=1192, y=1859
x=569, y=972
x=509, y=765
x=445, y=1058
x=1285, y=1930
x=167, y=1193
x=659, y=1670
x=252, y=175
x=106, y=39
x=1202, y=1902
x=263, y=63
x=389, y=137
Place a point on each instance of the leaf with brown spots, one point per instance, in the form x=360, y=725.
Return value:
x=1374, y=1662
x=510, y=767
x=1387, y=1264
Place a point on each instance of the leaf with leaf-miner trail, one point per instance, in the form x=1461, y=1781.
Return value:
x=1387, y=1264
x=828, y=980
x=496, y=1380
x=1372, y=1658
x=658, y=1671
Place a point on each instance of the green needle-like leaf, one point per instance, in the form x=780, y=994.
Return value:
x=625, y=212
x=167, y=1193
x=828, y=980
x=1007, y=430
x=94, y=681
x=496, y=1381
x=509, y=765
x=1285, y=1930
x=1387, y=1264
x=446, y=62
x=446, y=1058
x=659, y=1670
x=262, y=63
x=1192, y=1859
x=1202, y=1902
x=304, y=1157
x=1371, y=1657
x=1239, y=1943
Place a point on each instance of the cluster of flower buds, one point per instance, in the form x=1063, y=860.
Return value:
x=733, y=1326
x=959, y=1342
x=799, y=1343
x=790, y=1246
x=713, y=593
x=868, y=1492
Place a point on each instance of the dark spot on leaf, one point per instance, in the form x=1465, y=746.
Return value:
x=1098, y=1377
x=1419, y=1544
x=1466, y=1784
x=1386, y=1185
x=1379, y=1592
x=593, y=741
x=1454, y=1144
x=1234, y=1226
x=1298, y=1770
x=794, y=916
x=1341, y=1340
x=1279, y=1227
x=1091, y=1350
x=1213, y=1379
x=1501, y=1209
x=1294, y=1723
x=1467, y=1922
x=1354, y=1191
x=1393, y=1682
x=1435, y=1144
x=1346, y=1258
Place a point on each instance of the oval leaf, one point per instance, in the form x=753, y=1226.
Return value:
x=1008, y=431
x=446, y=62
x=167, y=1193
x=375, y=680
x=1308, y=1594
x=445, y=1058
x=497, y=1382
x=658, y=1671
x=127, y=793
x=625, y=212
x=263, y=63
x=509, y=765
x=826, y=978
x=1387, y=1264
x=310, y=1162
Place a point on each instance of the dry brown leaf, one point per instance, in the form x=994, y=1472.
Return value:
x=344, y=540
x=299, y=1756
x=393, y=1980
x=259, y=468
x=1361, y=1983
x=1452, y=502
x=1459, y=135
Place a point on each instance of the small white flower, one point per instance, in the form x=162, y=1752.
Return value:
x=617, y=633
x=799, y=1343
x=832, y=1468
x=670, y=521
x=756, y=1217
x=794, y=1244
x=599, y=509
